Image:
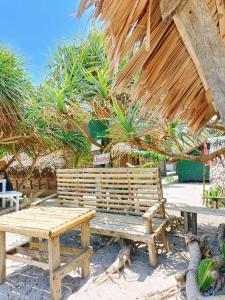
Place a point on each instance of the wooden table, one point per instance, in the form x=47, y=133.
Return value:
x=47, y=223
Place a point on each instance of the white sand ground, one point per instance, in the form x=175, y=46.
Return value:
x=135, y=282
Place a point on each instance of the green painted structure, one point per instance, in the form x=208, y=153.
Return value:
x=189, y=171
x=98, y=129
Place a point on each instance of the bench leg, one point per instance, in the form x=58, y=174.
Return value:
x=165, y=240
x=85, y=242
x=2, y=257
x=54, y=263
x=152, y=253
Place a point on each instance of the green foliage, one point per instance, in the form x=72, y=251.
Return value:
x=223, y=250
x=126, y=126
x=204, y=274
x=210, y=194
x=149, y=155
x=79, y=70
x=14, y=84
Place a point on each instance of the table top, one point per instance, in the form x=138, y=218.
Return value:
x=10, y=194
x=45, y=222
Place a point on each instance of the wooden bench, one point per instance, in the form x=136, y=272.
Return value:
x=129, y=202
x=190, y=214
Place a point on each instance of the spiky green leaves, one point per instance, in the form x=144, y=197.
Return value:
x=205, y=278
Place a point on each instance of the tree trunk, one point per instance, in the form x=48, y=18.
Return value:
x=29, y=174
x=192, y=290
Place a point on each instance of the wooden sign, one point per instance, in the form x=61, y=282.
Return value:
x=101, y=159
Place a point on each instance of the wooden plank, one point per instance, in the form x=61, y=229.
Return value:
x=221, y=17
x=71, y=224
x=205, y=46
x=28, y=261
x=76, y=262
x=54, y=263
x=64, y=250
x=2, y=257
x=107, y=170
x=195, y=209
x=168, y=8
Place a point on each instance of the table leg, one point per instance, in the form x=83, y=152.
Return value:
x=54, y=263
x=2, y=257
x=85, y=242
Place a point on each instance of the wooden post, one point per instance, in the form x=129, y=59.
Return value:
x=194, y=223
x=2, y=257
x=203, y=190
x=148, y=224
x=165, y=240
x=85, y=242
x=186, y=222
x=152, y=253
x=54, y=263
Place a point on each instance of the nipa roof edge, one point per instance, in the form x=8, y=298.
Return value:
x=168, y=80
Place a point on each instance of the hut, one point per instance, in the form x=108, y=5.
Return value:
x=43, y=176
x=176, y=52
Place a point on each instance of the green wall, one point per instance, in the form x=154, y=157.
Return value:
x=189, y=171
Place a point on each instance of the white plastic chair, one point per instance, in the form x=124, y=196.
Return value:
x=11, y=196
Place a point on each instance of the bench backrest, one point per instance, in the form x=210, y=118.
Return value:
x=131, y=190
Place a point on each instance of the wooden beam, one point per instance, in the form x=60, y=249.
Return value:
x=168, y=8
x=205, y=46
x=28, y=261
x=221, y=17
x=76, y=262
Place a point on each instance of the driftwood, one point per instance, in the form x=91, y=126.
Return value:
x=122, y=258
x=192, y=290
x=165, y=294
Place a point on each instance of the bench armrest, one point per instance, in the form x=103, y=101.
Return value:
x=148, y=215
x=153, y=210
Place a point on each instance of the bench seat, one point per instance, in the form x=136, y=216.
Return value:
x=125, y=225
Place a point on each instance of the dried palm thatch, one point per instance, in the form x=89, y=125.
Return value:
x=167, y=80
x=45, y=165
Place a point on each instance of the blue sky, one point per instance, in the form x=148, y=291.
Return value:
x=33, y=28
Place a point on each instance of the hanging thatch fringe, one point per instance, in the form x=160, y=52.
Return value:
x=168, y=81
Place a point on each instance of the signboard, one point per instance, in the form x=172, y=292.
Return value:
x=101, y=159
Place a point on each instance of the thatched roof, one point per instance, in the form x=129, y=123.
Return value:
x=45, y=166
x=169, y=81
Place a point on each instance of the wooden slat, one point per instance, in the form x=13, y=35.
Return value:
x=110, y=188
x=28, y=261
x=42, y=221
x=76, y=262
